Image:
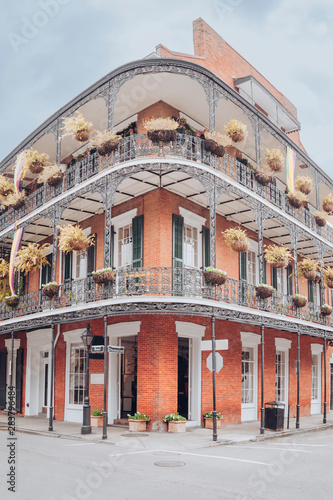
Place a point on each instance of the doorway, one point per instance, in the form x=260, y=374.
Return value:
x=128, y=377
x=315, y=385
x=183, y=376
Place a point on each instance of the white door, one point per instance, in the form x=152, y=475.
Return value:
x=249, y=384
x=316, y=385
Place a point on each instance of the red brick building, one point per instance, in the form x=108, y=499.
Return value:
x=157, y=211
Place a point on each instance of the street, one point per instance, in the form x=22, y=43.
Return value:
x=297, y=467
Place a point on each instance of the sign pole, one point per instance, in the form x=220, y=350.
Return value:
x=214, y=383
x=104, y=436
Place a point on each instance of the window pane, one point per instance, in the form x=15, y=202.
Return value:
x=247, y=375
x=280, y=376
x=77, y=373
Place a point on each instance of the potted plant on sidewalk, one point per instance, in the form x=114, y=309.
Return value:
x=176, y=423
x=97, y=418
x=138, y=422
x=208, y=416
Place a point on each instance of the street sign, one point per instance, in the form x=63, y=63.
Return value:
x=219, y=362
x=117, y=349
x=97, y=348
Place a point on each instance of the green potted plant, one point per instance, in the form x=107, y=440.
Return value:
x=236, y=239
x=161, y=129
x=138, y=422
x=277, y=256
x=264, y=291
x=96, y=418
x=104, y=275
x=50, y=289
x=299, y=300
x=176, y=423
x=77, y=127
x=208, y=416
x=215, y=276
x=235, y=130
x=274, y=159
x=326, y=310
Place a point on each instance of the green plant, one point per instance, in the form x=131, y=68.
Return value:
x=97, y=413
x=209, y=414
x=160, y=124
x=51, y=283
x=264, y=285
x=213, y=270
x=298, y=296
x=99, y=271
x=139, y=416
x=173, y=416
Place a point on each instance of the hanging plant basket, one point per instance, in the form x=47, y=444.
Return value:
x=36, y=168
x=108, y=147
x=264, y=291
x=161, y=135
x=281, y=264
x=78, y=245
x=328, y=206
x=299, y=301
x=326, y=310
x=320, y=221
x=12, y=300
x=240, y=246
x=215, y=277
x=82, y=135
x=262, y=178
x=310, y=275
x=55, y=179
x=103, y=277
x=51, y=290
x=329, y=283
x=214, y=148
x=294, y=200
x=275, y=165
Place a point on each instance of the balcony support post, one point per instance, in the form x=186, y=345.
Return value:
x=108, y=195
x=260, y=227
x=298, y=368
x=55, y=223
x=294, y=241
x=212, y=102
x=325, y=385
x=322, y=284
x=52, y=381
x=262, y=410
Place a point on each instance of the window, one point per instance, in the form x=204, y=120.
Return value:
x=247, y=375
x=125, y=245
x=190, y=246
x=280, y=376
x=46, y=271
x=77, y=374
x=80, y=265
x=252, y=268
x=279, y=280
x=313, y=293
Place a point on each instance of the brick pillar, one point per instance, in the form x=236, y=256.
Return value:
x=157, y=371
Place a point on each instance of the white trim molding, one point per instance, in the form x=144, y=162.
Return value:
x=282, y=344
x=220, y=345
x=191, y=218
x=187, y=329
x=316, y=348
x=124, y=219
x=8, y=344
x=250, y=339
x=74, y=336
x=125, y=329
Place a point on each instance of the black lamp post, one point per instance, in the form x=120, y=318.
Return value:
x=87, y=338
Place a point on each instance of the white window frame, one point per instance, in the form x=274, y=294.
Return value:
x=117, y=222
x=194, y=220
x=83, y=262
x=255, y=249
x=73, y=412
x=316, y=350
x=49, y=251
x=283, y=345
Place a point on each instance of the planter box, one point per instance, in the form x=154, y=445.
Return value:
x=177, y=426
x=209, y=423
x=137, y=425
x=96, y=421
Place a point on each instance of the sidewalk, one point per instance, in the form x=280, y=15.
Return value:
x=195, y=437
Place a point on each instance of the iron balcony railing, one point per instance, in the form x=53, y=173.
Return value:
x=185, y=147
x=165, y=282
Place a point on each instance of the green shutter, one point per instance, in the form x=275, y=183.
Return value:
x=19, y=380
x=177, y=244
x=274, y=277
x=3, y=376
x=243, y=266
x=137, y=232
x=91, y=257
x=47, y=270
x=111, y=263
x=310, y=291
x=265, y=271
x=205, y=246
x=68, y=267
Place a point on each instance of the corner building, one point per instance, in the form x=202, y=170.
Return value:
x=157, y=211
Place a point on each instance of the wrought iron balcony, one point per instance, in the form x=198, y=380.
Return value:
x=161, y=282
x=185, y=147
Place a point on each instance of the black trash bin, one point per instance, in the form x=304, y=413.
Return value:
x=274, y=416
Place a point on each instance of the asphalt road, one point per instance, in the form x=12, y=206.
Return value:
x=298, y=468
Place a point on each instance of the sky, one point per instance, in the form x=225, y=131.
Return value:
x=51, y=50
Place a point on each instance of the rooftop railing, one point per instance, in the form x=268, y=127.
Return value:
x=185, y=147
x=161, y=282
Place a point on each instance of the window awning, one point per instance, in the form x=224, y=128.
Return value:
x=255, y=93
